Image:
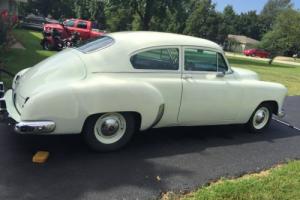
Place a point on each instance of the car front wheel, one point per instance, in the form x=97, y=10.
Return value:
x=260, y=119
x=110, y=131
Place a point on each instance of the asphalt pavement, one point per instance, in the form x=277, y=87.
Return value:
x=182, y=158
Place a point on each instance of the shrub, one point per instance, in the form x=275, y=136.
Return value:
x=4, y=27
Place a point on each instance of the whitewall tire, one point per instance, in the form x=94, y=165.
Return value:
x=110, y=131
x=260, y=119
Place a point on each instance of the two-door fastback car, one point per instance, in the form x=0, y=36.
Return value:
x=123, y=82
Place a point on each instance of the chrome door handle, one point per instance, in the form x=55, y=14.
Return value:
x=187, y=76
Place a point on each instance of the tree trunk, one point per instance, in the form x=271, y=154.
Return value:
x=147, y=15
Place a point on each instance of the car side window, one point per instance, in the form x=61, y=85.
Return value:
x=82, y=24
x=200, y=60
x=222, y=65
x=157, y=59
x=69, y=23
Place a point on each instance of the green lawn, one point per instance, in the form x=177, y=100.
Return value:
x=282, y=183
x=288, y=75
x=17, y=59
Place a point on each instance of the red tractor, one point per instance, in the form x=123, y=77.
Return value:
x=56, y=35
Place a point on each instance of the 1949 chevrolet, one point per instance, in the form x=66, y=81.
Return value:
x=123, y=82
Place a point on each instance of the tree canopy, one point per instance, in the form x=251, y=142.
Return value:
x=193, y=17
x=284, y=38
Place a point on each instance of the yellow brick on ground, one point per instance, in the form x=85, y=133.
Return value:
x=40, y=157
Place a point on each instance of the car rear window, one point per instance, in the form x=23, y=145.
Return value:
x=95, y=44
x=157, y=59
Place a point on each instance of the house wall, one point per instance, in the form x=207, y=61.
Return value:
x=236, y=47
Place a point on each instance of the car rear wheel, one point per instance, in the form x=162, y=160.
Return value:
x=260, y=119
x=110, y=131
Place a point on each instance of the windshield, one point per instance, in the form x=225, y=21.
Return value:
x=95, y=44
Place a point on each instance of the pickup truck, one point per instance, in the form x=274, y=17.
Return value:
x=83, y=27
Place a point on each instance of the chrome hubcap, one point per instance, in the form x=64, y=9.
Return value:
x=261, y=118
x=110, y=128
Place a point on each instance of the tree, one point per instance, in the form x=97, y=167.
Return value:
x=270, y=12
x=285, y=34
x=227, y=25
x=229, y=20
x=173, y=18
x=118, y=18
x=203, y=21
x=249, y=24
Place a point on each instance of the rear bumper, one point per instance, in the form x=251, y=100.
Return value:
x=3, y=110
x=36, y=127
x=8, y=113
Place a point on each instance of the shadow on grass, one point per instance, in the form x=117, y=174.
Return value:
x=15, y=60
x=246, y=62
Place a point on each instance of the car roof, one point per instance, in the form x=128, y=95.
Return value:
x=115, y=56
x=143, y=39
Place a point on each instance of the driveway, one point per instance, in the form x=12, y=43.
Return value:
x=183, y=158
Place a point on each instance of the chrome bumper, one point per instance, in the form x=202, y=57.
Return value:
x=3, y=111
x=281, y=114
x=30, y=127
x=40, y=127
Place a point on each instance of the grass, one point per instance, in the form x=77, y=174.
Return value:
x=282, y=183
x=17, y=59
x=288, y=75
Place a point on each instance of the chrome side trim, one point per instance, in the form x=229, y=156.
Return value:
x=160, y=114
x=35, y=127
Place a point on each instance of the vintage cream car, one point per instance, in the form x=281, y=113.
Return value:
x=123, y=82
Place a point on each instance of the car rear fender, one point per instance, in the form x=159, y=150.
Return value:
x=114, y=95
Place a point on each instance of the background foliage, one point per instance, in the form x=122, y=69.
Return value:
x=192, y=17
x=3, y=31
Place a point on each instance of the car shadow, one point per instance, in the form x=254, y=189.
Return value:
x=74, y=166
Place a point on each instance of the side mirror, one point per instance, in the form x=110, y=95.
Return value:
x=220, y=74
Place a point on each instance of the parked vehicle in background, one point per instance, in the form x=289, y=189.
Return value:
x=54, y=40
x=123, y=82
x=35, y=22
x=83, y=27
x=256, y=53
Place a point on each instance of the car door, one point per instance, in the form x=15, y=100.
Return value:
x=70, y=25
x=209, y=96
x=160, y=68
x=82, y=28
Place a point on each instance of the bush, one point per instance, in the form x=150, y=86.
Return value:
x=3, y=31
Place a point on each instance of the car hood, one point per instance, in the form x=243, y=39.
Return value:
x=62, y=68
x=245, y=74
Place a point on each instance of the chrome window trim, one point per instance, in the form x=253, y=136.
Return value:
x=157, y=48
x=184, y=71
x=99, y=49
